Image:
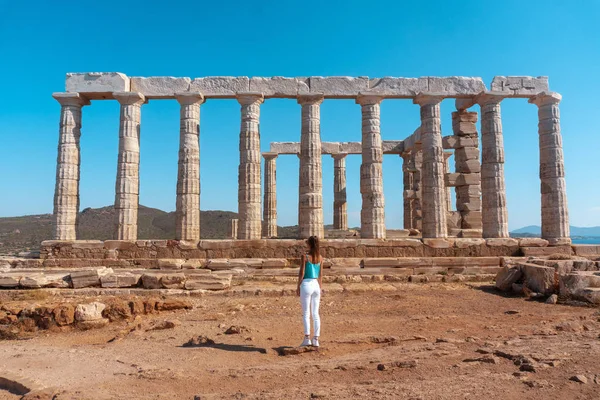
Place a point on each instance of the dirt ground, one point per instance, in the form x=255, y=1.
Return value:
x=451, y=342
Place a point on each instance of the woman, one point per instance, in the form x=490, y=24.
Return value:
x=309, y=290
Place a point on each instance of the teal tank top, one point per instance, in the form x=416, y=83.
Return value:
x=311, y=271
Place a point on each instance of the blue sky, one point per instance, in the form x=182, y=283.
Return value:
x=40, y=41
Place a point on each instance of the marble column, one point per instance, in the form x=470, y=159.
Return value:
x=417, y=188
x=249, y=170
x=434, y=191
x=66, y=192
x=270, y=202
x=555, y=212
x=311, y=171
x=493, y=193
x=447, y=156
x=187, y=211
x=233, y=229
x=128, y=169
x=407, y=192
x=340, y=205
x=372, y=215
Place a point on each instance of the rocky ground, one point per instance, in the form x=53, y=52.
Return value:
x=428, y=341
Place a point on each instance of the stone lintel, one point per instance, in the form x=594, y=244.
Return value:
x=393, y=146
x=545, y=98
x=71, y=99
x=97, y=85
x=335, y=148
x=412, y=142
x=520, y=86
x=160, y=87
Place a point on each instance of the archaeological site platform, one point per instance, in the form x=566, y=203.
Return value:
x=472, y=239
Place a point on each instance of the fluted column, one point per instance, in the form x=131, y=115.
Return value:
x=434, y=191
x=493, y=193
x=66, y=192
x=555, y=212
x=187, y=211
x=407, y=194
x=340, y=206
x=447, y=156
x=128, y=168
x=372, y=215
x=270, y=202
x=249, y=226
x=311, y=172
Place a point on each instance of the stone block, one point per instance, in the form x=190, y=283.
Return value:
x=392, y=146
x=151, y=281
x=586, y=250
x=507, y=276
x=457, y=142
x=466, y=243
x=159, y=87
x=88, y=278
x=456, y=86
x=33, y=281
x=120, y=280
x=172, y=281
x=338, y=86
x=460, y=179
x=209, y=282
x=532, y=242
x=9, y=281
x=220, y=86
x=170, y=263
x=398, y=87
x=507, y=242
x=545, y=251
x=278, y=86
x=437, y=243
x=89, y=312
x=97, y=85
x=285, y=147
x=470, y=233
x=520, y=86
x=539, y=279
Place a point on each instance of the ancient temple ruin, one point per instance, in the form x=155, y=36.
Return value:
x=478, y=179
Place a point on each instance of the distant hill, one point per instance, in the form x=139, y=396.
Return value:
x=575, y=230
x=27, y=232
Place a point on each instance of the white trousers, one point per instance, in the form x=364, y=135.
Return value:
x=310, y=297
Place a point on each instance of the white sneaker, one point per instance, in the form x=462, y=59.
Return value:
x=306, y=342
x=315, y=341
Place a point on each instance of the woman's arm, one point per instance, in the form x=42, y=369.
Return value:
x=320, y=279
x=300, y=274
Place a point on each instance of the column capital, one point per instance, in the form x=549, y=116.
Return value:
x=545, y=98
x=315, y=99
x=270, y=155
x=249, y=98
x=71, y=99
x=424, y=99
x=129, y=98
x=368, y=99
x=339, y=156
x=488, y=98
x=189, y=98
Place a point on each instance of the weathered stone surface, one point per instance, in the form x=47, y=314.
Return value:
x=33, y=281
x=532, y=242
x=209, y=282
x=97, y=85
x=170, y=263
x=120, y=280
x=520, y=86
x=338, y=86
x=456, y=86
x=545, y=251
x=539, y=279
x=157, y=87
x=220, y=86
x=9, y=282
x=172, y=281
x=89, y=312
x=88, y=278
x=507, y=276
x=398, y=87
x=509, y=242
x=269, y=227
x=278, y=86
x=571, y=285
x=437, y=243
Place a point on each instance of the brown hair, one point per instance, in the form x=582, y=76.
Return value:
x=313, y=244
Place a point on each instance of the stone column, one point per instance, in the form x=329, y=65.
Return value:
x=269, y=229
x=468, y=167
x=434, y=191
x=249, y=169
x=555, y=213
x=187, y=212
x=233, y=229
x=493, y=193
x=372, y=215
x=66, y=192
x=407, y=194
x=128, y=169
x=417, y=188
x=311, y=172
x=447, y=156
x=340, y=206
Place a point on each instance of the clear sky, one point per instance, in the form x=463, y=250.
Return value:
x=42, y=40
